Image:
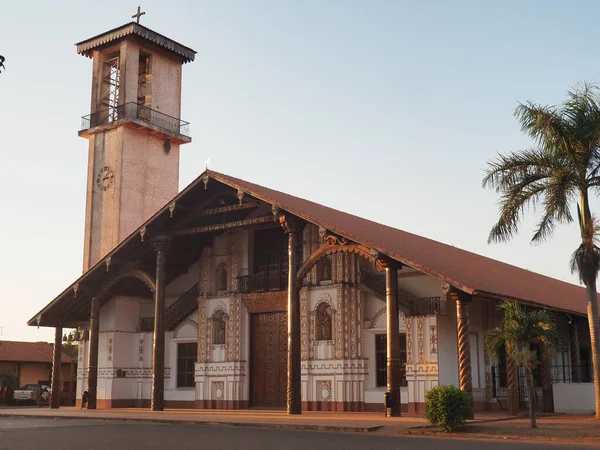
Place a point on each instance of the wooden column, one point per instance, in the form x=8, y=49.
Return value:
x=512, y=386
x=92, y=381
x=575, y=354
x=464, y=344
x=293, y=226
x=56, y=361
x=393, y=338
x=160, y=245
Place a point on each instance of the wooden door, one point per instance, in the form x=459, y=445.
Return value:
x=268, y=375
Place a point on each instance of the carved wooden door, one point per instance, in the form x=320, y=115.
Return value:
x=268, y=376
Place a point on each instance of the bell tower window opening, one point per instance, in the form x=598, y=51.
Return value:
x=144, y=81
x=110, y=89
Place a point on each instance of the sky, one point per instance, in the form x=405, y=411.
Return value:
x=388, y=110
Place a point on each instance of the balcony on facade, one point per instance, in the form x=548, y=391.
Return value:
x=415, y=306
x=263, y=282
x=138, y=116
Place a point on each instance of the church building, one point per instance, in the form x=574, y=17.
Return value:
x=230, y=295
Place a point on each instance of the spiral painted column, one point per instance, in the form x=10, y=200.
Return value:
x=464, y=344
x=56, y=362
x=513, y=386
x=575, y=355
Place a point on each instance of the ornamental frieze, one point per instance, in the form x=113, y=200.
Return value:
x=264, y=302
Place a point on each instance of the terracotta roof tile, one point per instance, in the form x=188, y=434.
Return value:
x=16, y=351
x=469, y=271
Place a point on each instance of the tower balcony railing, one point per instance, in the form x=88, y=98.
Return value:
x=135, y=111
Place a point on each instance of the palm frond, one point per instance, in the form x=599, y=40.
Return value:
x=565, y=163
x=518, y=328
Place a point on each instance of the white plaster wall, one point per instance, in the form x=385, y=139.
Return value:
x=423, y=286
x=186, y=332
x=448, y=346
x=574, y=398
x=476, y=339
x=82, y=367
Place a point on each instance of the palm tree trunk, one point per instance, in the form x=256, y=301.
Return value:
x=594, y=323
x=532, y=396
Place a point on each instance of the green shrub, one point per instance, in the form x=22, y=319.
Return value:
x=447, y=407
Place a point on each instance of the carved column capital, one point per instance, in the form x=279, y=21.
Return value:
x=161, y=243
x=385, y=261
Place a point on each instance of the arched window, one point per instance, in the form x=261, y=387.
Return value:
x=219, y=328
x=323, y=322
x=324, y=268
x=222, y=277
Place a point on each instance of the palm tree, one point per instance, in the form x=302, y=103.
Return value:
x=562, y=169
x=518, y=329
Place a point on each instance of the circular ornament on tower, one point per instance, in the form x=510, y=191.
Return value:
x=105, y=178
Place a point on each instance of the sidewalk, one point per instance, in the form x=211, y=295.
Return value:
x=553, y=428
x=310, y=420
x=556, y=428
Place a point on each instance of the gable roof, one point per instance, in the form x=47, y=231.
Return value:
x=470, y=272
x=16, y=351
x=473, y=273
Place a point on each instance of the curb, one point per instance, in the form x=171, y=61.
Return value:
x=208, y=423
x=500, y=437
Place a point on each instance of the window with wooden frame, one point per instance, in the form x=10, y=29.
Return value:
x=186, y=358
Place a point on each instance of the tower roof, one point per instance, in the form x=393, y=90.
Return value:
x=104, y=39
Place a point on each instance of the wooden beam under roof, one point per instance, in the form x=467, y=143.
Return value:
x=222, y=226
x=229, y=208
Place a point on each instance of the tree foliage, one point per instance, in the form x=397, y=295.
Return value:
x=556, y=174
x=518, y=329
x=448, y=407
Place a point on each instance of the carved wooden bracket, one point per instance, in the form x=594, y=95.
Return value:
x=291, y=223
x=451, y=293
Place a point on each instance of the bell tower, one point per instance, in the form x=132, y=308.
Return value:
x=134, y=132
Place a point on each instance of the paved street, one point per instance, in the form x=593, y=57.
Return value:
x=61, y=434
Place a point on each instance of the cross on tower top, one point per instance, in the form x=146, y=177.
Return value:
x=138, y=15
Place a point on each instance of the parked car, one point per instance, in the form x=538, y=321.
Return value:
x=29, y=393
